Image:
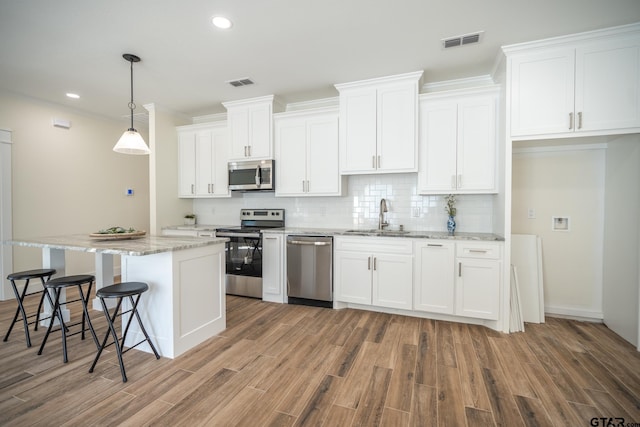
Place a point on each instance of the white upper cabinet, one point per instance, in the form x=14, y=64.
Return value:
x=581, y=85
x=202, y=160
x=250, y=130
x=306, y=153
x=458, y=142
x=378, y=125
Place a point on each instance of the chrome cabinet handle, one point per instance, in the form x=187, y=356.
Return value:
x=373, y=161
x=580, y=120
x=249, y=147
x=378, y=162
x=368, y=263
x=307, y=186
x=435, y=245
x=193, y=189
x=459, y=269
x=303, y=190
x=478, y=251
x=570, y=120
x=374, y=263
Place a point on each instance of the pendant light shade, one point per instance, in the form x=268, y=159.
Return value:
x=131, y=141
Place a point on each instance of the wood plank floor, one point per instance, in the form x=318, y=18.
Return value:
x=285, y=365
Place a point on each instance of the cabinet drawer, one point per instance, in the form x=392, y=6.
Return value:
x=479, y=250
x=387, y=245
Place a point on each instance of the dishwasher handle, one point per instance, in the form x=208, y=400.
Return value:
x=308, y=243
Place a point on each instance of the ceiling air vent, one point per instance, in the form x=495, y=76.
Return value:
x=462, y=40
x=240, y=82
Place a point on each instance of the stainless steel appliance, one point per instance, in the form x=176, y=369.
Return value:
x=251, y=175
x=310, y=270
x=243, y=252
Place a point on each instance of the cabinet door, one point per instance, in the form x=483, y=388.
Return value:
x=187, y=164
x=542, y=92
x=396, y=128
x=273, y=267
x=238, y=122
x=478, y=288
x=352, y=277
x=220, y=172
x=608, y=86
x=323, y=173
x=358, y=131
x=476, y=156
x=291, y=157
x=204, y=164
x=438, y=140
x=434, y=277
x=392, y=281
x=260, y=138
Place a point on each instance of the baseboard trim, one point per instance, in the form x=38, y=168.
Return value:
x=574, y=314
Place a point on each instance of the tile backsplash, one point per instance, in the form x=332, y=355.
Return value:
x=359, y=208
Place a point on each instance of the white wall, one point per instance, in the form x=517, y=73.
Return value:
x=359, y=207
x=69, y=180
x=165, y=206
x=564, y=181
x=622, y=238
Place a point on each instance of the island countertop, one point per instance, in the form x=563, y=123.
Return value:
x=146, y=245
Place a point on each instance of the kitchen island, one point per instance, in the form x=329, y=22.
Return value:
x=185, y=304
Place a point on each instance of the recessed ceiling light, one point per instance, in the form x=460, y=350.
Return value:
x=73, y=95
x=222, y=22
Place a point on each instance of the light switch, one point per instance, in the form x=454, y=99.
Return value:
x=531, y=213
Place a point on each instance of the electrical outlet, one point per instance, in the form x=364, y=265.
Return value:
x=531, y=213
x=415, y=213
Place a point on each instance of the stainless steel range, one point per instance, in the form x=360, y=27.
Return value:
x=243, y=253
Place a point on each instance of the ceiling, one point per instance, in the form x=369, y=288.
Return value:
x=295, y=49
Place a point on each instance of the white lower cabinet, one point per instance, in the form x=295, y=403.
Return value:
x=273, y=267
x=478, y=268
x=373, y=271
x=456, y=278
x=434, y=279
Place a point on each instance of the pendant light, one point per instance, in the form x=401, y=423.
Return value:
x=131, y=141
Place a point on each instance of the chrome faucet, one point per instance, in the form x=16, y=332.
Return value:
x=383, y=208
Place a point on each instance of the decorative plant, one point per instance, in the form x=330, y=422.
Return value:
x=450, y=207
x=190, y=216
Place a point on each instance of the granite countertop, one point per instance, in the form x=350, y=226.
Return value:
x=487, y=237
x=197, y=227
x=146, y=245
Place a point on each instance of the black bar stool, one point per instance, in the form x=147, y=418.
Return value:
x=120, y=291
x=56, y=285
x=42, y=274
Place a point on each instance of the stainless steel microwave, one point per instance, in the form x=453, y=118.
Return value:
x=251, y=175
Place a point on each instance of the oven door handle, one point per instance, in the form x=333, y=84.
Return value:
x=250, y=235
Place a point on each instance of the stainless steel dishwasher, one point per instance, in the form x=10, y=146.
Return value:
x=310, y=270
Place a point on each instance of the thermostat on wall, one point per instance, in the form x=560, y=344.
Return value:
x=560, y=223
